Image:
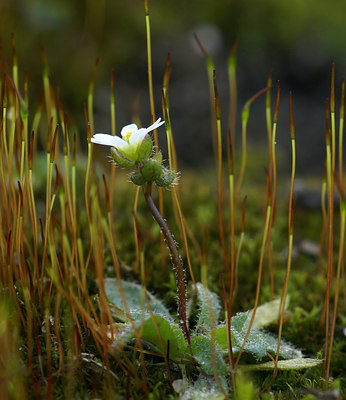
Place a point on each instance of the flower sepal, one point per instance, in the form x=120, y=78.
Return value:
x=158, y=157
x=145, y=149
x=120, y=159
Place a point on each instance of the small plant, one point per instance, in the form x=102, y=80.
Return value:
x=135, y=149
x=152, y=323
x=87, y=300
x=210, y=339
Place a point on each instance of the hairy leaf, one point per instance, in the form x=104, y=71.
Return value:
x=209, y=308
x=163, y=335
x=202, y=351
x=135, y=299
x=295, y=363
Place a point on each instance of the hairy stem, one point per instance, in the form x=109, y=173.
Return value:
x=176, y=260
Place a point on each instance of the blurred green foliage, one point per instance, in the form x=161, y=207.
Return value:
x=74, y=33
x=299, y=40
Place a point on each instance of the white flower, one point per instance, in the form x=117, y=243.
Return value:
x=132, y=138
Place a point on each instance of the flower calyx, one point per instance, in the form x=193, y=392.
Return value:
x=151, y=170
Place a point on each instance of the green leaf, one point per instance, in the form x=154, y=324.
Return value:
x=258, y=343
x=158, y=330
x=238, y=322
x=209, y=308
x=221, y=340
x=295, y=363
x=135, y=299
x=237, y=333
x=169, y=332
x=267, y=313
x=202, y=351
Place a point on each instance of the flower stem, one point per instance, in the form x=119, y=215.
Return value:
x=175, y=257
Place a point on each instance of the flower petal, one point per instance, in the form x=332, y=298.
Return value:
x=155, y=125
x=137, y=136
x=128, y=128
x=108, y=140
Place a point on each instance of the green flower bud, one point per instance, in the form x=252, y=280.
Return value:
x=166, y=178
x=137, y=178
x=121, y=160
x=151, y=170
x=145, y=149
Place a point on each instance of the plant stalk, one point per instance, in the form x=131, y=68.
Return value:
x=175, y=257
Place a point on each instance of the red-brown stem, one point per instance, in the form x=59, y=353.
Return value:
x=219, y=176
x=260, y=266
x=229, y=336
x=176, y=260
x=341, y=130
x=232, y=90
x=272, y=174
x=239, y=247
x=330, y=191
x=269, y=119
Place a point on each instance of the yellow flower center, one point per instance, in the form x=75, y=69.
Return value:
x=127, y=136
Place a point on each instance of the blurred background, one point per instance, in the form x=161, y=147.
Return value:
x=298, y=40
